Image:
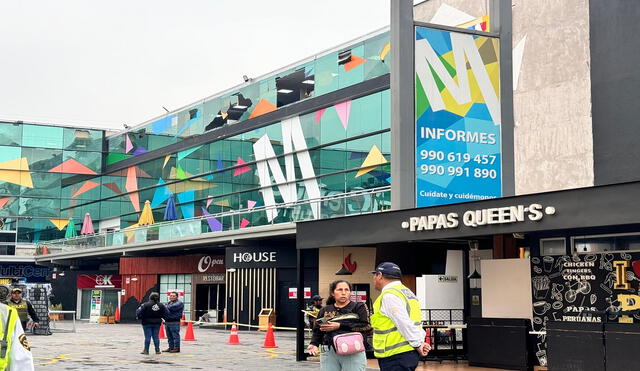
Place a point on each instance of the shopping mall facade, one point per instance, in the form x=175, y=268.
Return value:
x=378, y=149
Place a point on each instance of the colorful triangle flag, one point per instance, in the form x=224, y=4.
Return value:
x=59, y=223
x=263, y=106
x=16, y=172
x=128, y=146
x=187, y=152
x=241, y=167
x=353, y=63
x=343, y=109
x=373, y=160
x=72, y=166
x=214, y=223
x=87, y=186
x=319, y=114
x=251, y=204
x=244, y=223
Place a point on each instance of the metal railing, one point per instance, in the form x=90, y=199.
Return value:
x=330, y=206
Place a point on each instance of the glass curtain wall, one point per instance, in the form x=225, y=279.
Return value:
x=36, y=164
x=337, y=149
x=324, y=74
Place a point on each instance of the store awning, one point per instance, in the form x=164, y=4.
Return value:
x=600, y=206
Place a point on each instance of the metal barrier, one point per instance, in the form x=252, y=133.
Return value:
x=443, y=316
x=52, y=324
x=377, y=200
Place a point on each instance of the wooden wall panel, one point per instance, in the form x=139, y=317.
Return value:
x=166, y=265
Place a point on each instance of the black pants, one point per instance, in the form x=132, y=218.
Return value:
x=400, y=362
x=24, y=325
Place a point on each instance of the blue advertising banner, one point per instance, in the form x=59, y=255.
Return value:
x=457, y=97
x=32, y=272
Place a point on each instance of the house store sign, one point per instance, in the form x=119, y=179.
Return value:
x=480, y=217
x=260, y=257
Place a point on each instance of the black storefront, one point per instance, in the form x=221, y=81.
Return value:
x=261, y=277
x=590, y=291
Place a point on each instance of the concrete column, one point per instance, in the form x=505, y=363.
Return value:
x=403, y=177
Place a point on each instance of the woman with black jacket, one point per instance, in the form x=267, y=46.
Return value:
x=339, y=304
x=151, y=313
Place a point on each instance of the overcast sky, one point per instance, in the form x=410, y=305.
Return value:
x=110, y=62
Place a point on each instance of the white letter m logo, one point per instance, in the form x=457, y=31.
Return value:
x=292, y=137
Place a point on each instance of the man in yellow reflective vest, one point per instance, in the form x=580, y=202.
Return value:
x=15, y=353
x=398, y=337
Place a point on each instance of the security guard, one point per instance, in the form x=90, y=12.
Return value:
x=398, y=337
x=24, y=308
x=15, y=353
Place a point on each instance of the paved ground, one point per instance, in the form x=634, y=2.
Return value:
x=118, y=347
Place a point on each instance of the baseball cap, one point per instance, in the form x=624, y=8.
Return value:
x=316, y=297
x=388, y=269
x=16, y=289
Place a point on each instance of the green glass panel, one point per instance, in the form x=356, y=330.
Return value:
x=159, y=141
x=11, y=207
x=385, y=115
x=92, y=160
x=42, y=136
x=331, y=128
x=45, y=207
x=190, y=122
x=373, y=50
x=10, y=134
x=113, y=157
x=116, y=143
x=83, y=139
x=42, y=159
x=44, y=185
x=311, y=129
x=356, y=74
x=9, y=153
x=326, y=74
x=365, y=115
x=210, y=110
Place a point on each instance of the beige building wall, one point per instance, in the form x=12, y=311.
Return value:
x=330, y=261
x=552, y=102
x=553, y=136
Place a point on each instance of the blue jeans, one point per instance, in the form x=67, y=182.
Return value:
x=151, y=331
x=173, y=334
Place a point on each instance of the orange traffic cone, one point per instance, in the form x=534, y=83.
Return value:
x=117, y=314
x=233, y=338
x=161, y=334
x=269, y=339
x=188, y=335
x=182, y=320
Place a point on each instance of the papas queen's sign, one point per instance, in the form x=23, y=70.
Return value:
x=479, y=217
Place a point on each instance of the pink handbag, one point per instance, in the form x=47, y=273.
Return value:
x=349, y=343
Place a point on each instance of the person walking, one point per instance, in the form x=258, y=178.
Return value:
x=355, y=318
x=151, y=313
x=24, y=308
x=172, y=322
x=398, y=337
x=15, y=353
x=311, y=313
